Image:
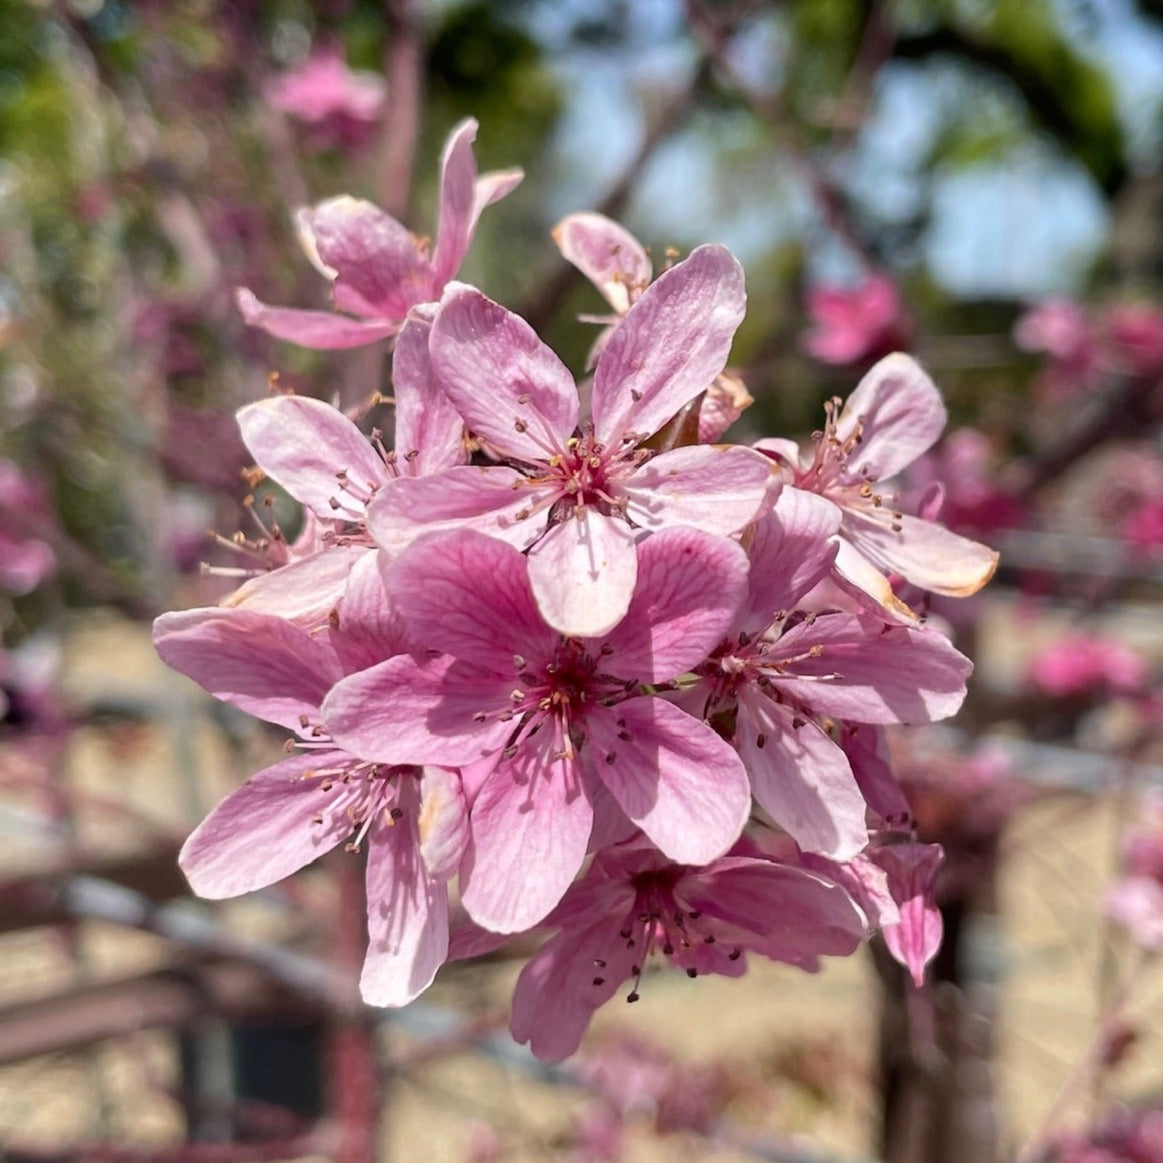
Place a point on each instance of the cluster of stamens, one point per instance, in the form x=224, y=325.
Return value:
x=559, y=693
x=830, y=475
x=658, y=923
x=356, y=789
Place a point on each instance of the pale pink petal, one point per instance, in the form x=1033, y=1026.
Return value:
x=672, y=775
x=583, y=572
x=462, y=198
x=407, y=914
x=512, y=391
x=801, y=778
x=258, y=663
x=405, y=711
x=530, y=825
x=865, y=880
x=785, y=453
x=878, y=673
x=1136, y=902
x=323, y=330
x=364, y=628
x=726, y=400
x=303, y=592
x=469, y=595
x=429, y=430
x=373, y=256
x=304, y=444
x=861, y=580
x=912, y=876
x=494, y=500
x=443, y=822
x=901, y=415
x=689, y=585
x=791, y=551
x=922, y=552
x=719, y=488
x=867, y=751
x=670, y=345
x=559, y=989
x=794, y=914
x=607, y=254
x=265, y=830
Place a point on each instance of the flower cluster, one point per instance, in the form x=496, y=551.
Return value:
x=561, y=673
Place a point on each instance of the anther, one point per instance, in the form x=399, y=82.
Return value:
x=761, y=740
x=396, y=813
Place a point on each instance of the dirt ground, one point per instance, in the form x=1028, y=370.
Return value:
x=808, y=1038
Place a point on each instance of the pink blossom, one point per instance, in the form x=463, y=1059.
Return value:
x=574, y=498
x=619, y=266
x=633, y=902
x=912, y=870
x=783, y=670
x=377, y=269
x=1133, y=336
x=342, y=106
x=26, y=557
x=1065, y=333
x=1079, y=663
x=412, y=818
x=963, y=470
x=894, y=415
x=856, y=324
x=1142, y=527
x=327, y=464
x=560, y=721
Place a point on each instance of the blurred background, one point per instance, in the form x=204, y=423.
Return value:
x=976, y=181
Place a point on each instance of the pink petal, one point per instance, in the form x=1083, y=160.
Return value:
x=880, y=673
x=494, y=500
x=559, y=989
x=582, y=573
x=405, y=711
x=801, y=778
x=901, y=413
x=443, y=822
x=607, y=254
x=372, y=254
x=364, y=628
x=469, y=595
x=322, y=330
x=672, y=775
x=861, y=580
x=407, y=916
x=303, y=444
x=719, y=488
x=429, y=430
x=1136, y=902
x=922, y=552
x=462, y=198
x=530, y=827
x=689, y=585
x=867, y=751
x=669, y=347
x=303, y=592
x=258, y=663
x=726, y=400
x=912, y=877
x=792, y=550
x=264, y=831
x=512, y=391
x=795, y=914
